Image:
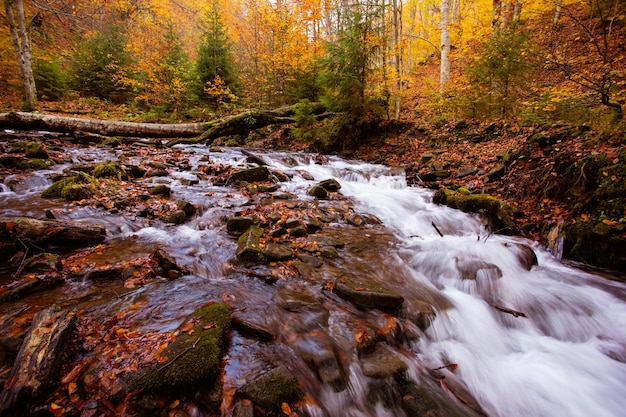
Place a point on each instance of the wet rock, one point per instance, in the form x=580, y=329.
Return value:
x=271, y=389
x=382, y=363
x=278, y=252
x=330, y=185
x=193, y=358
x=166, y=262
x=35, y=150
x=329, y=252
x=176, y=217
x=239, y=224
x=469, y=268
x=329, y=241
x=319, y=192
x=257, y=174
x=299, y=231
x=251, y=326
x=525, y=255
x=248, y=246
x=318, y=351
x=157, y=172
x=431, y=401
x=160, y=190
x=9, y=347
x=368, y=296
x=426, y=157
x=188, y=208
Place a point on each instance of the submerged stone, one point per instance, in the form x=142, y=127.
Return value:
x=260, y=173
x=382, y=363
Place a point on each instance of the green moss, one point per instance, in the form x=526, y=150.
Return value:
x=35, y=150
x=34, y=163
x=76, y=187
x=160, y=189
x=273, y=388
x=194, y=357
x=248, y=246
x=110, y=170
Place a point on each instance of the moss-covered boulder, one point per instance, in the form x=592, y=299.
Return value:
x=73, y=188
x=596, y=243
x=110, y=170
x=35, y=150
x=497, y=213
x=248, y=246
x=33, y=163
x=273, y=388
x=193, y=358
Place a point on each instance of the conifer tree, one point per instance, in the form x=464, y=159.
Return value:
x=215, y=74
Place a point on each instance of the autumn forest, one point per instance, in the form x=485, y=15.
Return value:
x=528, y=60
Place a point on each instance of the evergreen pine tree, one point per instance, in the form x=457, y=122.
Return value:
x=215, y=74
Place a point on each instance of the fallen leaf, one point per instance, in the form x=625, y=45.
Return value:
x=609, y=222
x=71, y=387
x=285, y=408
x=209, y=326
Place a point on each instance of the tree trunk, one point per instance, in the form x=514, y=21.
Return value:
x=21, y=43
x=444, y=74
x=240, y=124
x=54, y=232
x=397, y=25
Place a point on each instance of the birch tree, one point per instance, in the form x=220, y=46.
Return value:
x=444, y=73
x=14, y=10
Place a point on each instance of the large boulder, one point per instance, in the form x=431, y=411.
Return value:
x=193, y=358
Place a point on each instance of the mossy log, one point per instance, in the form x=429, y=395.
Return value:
x=39, y=360
x=203, y=132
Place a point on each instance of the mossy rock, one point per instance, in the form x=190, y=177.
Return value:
x=176, y=217
x=193, y=358
x=110, y=170
x=33, y=163
x=248, y=246
x=273, y=388
x=260, y=173
x=76, y=187
x=595, y=243
x=162, y=190
x=496, y=212
x=35, y=150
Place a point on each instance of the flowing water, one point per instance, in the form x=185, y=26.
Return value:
x=565, y=357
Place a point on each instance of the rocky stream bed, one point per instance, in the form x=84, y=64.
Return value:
x=187, y=281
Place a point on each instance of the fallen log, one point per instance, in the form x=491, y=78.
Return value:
x=51, y=232
x=37, y=121
x=186, y=133
x=39, y=360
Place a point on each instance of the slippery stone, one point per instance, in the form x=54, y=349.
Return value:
x=271, y=389
x=368, y=296
x=248, y=246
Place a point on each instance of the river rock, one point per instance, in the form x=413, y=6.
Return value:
x=238, y=224
x=35, y=150
x=278, y=251
x=299, y=231
x=330, y=185
x=272, y=388
x=176, y=217
x=525, y=255
x=248, y=246
x=260, y=173
x=469, y=268
x=318, y=351
x=193, y=358
x=187, y=207
x=160, y=190
x=368, y=296
x=382, y=363
x=318, y=192
x=110, y=170
x=251, y=326
x=243, y=408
